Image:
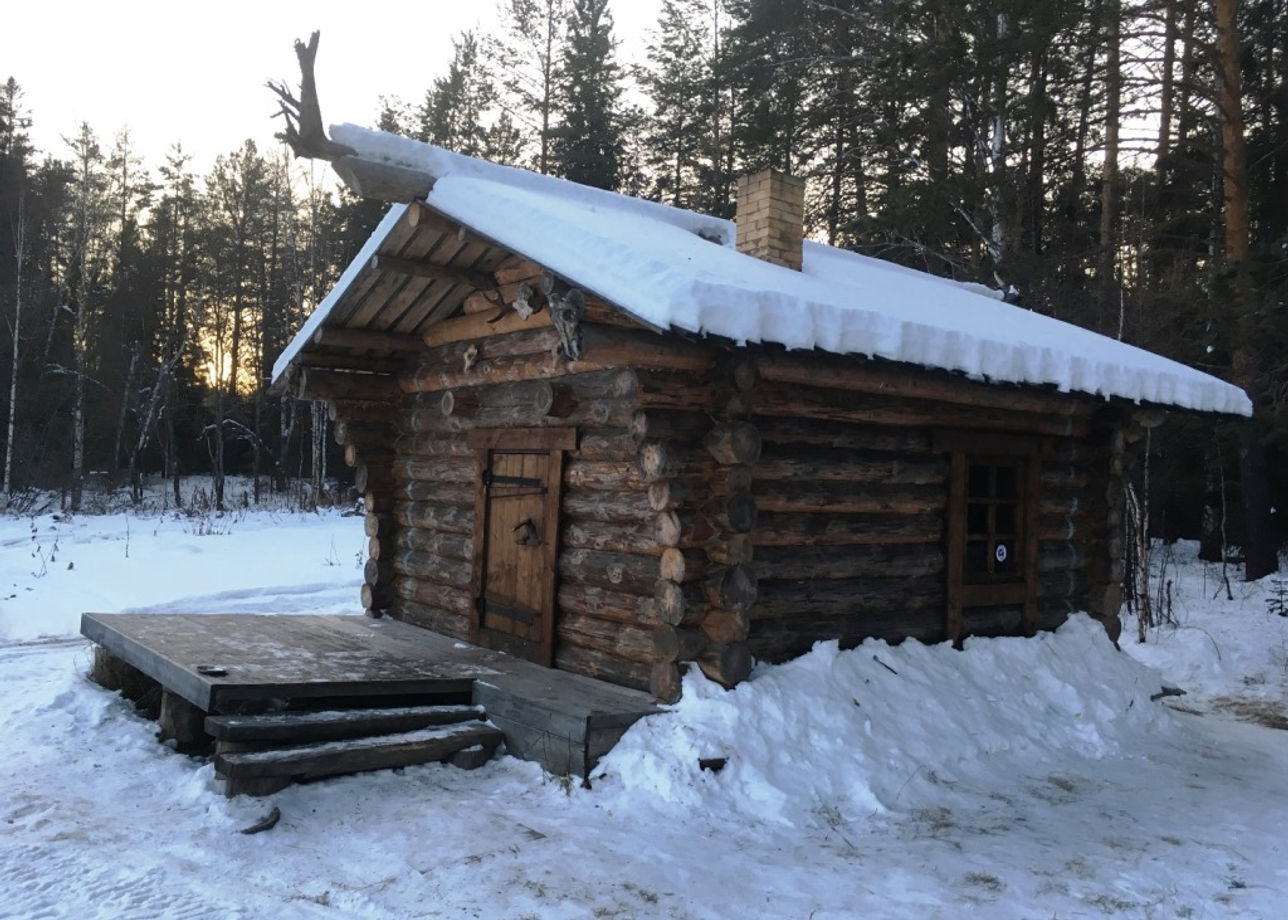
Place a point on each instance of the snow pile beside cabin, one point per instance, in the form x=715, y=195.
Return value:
x=676, y=269
x=846, y=734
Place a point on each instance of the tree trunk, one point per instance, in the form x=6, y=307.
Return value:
x=1261, y=555
x=19, y=263
x=1106, y=273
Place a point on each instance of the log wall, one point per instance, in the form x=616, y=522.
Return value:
x=721, y=503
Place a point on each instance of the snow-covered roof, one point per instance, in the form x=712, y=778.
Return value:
x=677, y=269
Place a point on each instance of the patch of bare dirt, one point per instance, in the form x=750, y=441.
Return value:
x=1262, y=712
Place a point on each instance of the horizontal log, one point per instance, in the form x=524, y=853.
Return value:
x=367, y=340
x=883, y=379
x=578, y=659
x=381, y=411
x=842, y=435
x=668, y=425
x=841, y=406
x=438, y=570
x=607, y=347
x=434, y=469
x=334, y=362
x=431, y=376
x=437, y=492
x=777, y=640
x=606, y=444
x=377, y=572
x=802, y=462
x=681, y=604
x=824, y=562
x=623, y=572
x=454, y=546
x=604, y=475
x=674, y=643
x=373, y=477
x=731, y=549
x=360, y=432
x=608, y=604
x=690, y=492
x=803, y=529
x=445, y=518
x=451, y=599
x=830, y=497
x=631, y=643
x=732, y=588
x=609, y=507
x=321, y=383
x=431, y=445
x=472, y=326
x=778, y=599
x=376, y=598
x=681, y=565
x=374, y=524
x=638, y=538
x=428, y=616
x=369, y=453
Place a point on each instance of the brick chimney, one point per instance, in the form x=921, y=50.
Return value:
x=771, y=217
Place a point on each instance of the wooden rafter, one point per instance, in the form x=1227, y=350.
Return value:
x=480, y=281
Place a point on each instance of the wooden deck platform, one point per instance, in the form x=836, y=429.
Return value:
x=230, y=663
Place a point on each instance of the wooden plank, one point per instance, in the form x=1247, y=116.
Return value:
x=522, y=439
x=333, y=758
x=333, y=725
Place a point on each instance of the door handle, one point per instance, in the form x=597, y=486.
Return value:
x=529, y=537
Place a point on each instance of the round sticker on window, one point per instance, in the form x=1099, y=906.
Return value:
x=1001, y=552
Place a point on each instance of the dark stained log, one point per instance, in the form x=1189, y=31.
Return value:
x=781, y=529
x=578, y=659
x=431, y=617
x=734, y=442
x=673, y=643
x=639, y=538
x=451, y=599
x=668, y=425
x=607, y=604
x=800, y=462
x=884, y=379
x=781, y=639
x=433, y=469
x=623, y=572
x=682, y=565
x=692, y=491
x=680, y=605
x=842, y=406
x=778, y=599
x=321, y=383
x=367, y=340
x=736, y=513
x=823, y=562
x=722, y=626
x=733, y=588
x=632, y=643
x=728, y=665
x=445, y=518
x=610, y=507
x=843, y=435
x=459, y=403
x=830, y=497
x=665, y=682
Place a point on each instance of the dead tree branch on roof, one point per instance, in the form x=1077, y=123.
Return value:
x=304, y=132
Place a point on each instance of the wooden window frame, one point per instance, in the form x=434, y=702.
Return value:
x=553, y=442
x=962, y=592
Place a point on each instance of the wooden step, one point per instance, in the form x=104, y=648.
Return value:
x=307, y=727
x=356, y=755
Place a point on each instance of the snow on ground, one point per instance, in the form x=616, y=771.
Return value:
x=1014, y=779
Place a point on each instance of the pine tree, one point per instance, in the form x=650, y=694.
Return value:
x=589, y=144
x=528, y=52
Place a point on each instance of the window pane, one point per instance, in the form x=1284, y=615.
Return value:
x=1004, y=559
x=976, y=557
x=1004, y=525
x=978, y=484
x=1008, y=482
x=977, y=519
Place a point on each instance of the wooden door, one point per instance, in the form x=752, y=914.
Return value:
x=516, y=535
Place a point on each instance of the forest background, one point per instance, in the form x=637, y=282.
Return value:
x=1120, y=164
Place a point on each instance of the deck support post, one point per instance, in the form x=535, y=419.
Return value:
x=182, y=722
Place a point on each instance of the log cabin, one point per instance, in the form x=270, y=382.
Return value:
x=622, y=439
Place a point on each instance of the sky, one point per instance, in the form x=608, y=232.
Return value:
x=195, y=73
